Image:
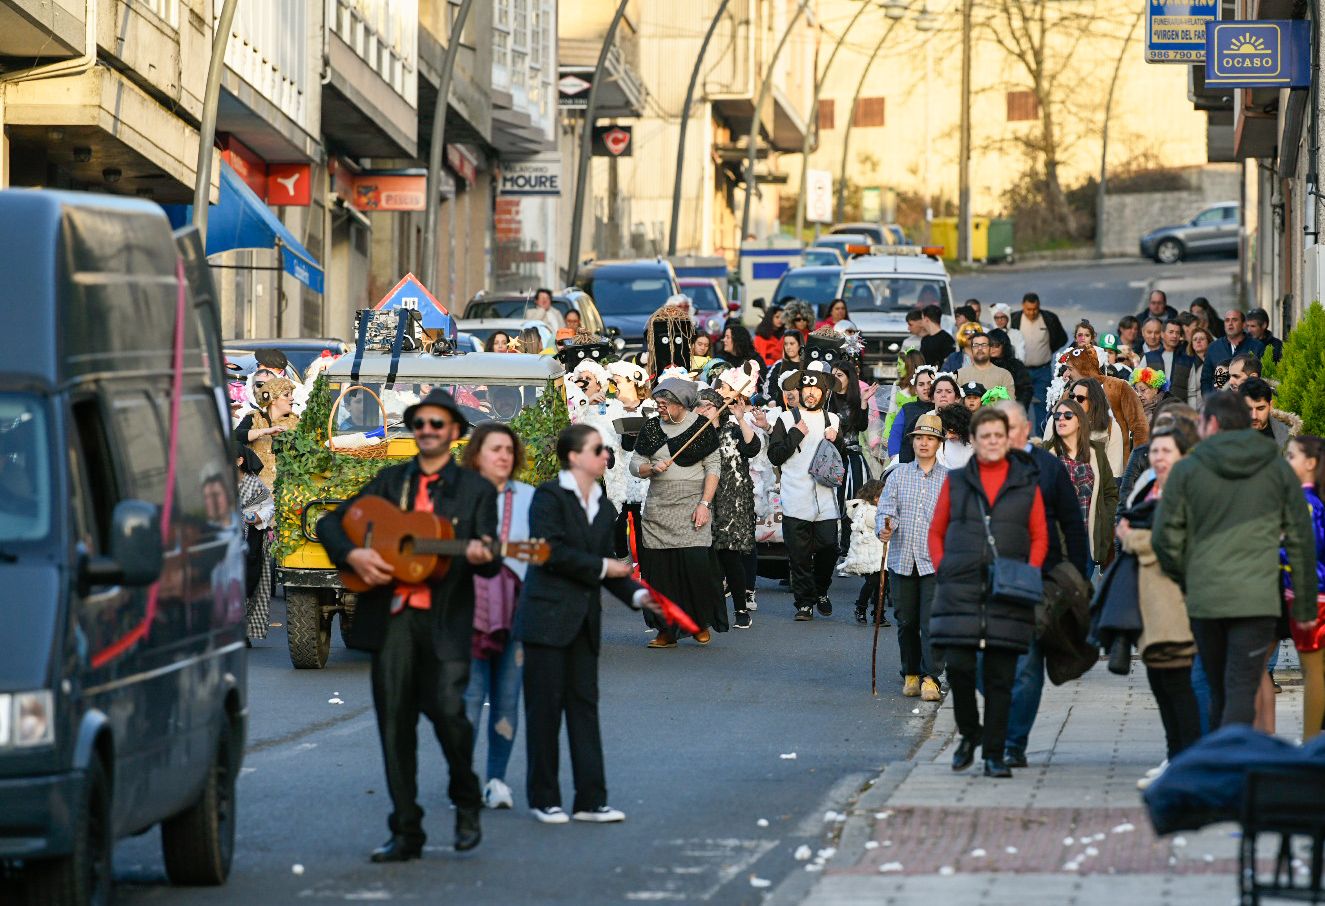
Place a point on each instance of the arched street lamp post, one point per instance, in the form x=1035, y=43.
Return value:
x=432, y=211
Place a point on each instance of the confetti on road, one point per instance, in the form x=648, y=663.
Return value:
x=762, y=822
x=826, y=853
x=1010, y=850
x=947, y=870
x=802, y=853
x=760, y=882
x=1207, y=857
x=1125, y=828
x=978, y=854
x=881, y=816
x=915, y=710
x=297, y=868
x=1068, y=841
x=1179, y=841
x=871, y=844
x=335, y=701
x=814, y=866
x=888, y=867
x=1092, y=851
x=788, y=756
x=834, y=816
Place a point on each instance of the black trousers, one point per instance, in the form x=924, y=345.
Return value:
x=1000, y=669
x=408, y=680
x=812, y=556
x=556, y=681
x=913, y=596
x=733, y=564
x=1234, y=652
x=1172, y=687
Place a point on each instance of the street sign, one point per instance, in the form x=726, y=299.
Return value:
x=391, y=190
x=1175, y=29
x=410, y=294
x=573, y=88
x=536, y=176
x=819, y=196
x=1265, y=53
x=612, y=141
x=289, y=184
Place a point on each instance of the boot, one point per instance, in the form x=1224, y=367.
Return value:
x=860, y=613
x=468, y=834
x=1120, y=656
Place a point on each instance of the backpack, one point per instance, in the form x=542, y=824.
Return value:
x=826, y=466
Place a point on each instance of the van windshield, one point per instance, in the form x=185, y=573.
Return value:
x=815, y=287
x=479, y=401
x=630, y=295
x=865, y=294
x=25, y=474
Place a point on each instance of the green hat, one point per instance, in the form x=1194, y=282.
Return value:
x=1110, y=342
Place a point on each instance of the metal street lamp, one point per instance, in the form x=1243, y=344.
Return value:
x=586, y=145
x=202, y=185
x=685, y=122
x=435, y=151
x=753, y=141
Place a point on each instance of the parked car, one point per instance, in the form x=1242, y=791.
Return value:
x=877, y=233
x=300, y=351
x=816, y=285
x=122, y=663
x=627, y=293
x=1215, y=230
x=817, y=255
x=898, y=234
x=843, y=242
x=487, y=313
x=880, y=289
x=708, y=304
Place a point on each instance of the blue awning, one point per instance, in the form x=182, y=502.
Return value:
x=242, y=220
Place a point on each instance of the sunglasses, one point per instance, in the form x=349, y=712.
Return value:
x=596, y=450
x=1063, y=416
x=437, y=424
x=1081, y=399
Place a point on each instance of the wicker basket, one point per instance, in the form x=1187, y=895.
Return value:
x=373, y=451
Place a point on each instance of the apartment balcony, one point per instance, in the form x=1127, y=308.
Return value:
x=469, y=104
x=35, y=32
x=370, y=103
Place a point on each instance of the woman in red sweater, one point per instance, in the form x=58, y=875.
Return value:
x=966, y=619
x=768, y=336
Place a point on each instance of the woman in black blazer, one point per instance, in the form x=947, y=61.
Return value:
x=559, y=620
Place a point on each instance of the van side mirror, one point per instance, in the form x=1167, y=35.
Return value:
x=613, y=332
x=761, y=303
x=135, y=548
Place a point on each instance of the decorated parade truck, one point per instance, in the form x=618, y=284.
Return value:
x=352, y=427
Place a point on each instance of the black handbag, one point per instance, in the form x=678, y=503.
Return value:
x=1011, y=581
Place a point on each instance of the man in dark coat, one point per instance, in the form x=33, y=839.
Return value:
x=1062, y=512
x=1177, y=366
x=420, y=634
x=560, y=620
x=1043, y=335
x=1235, y=341
x=1157, y=307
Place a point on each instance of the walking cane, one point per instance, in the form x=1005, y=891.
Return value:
x=878, y=619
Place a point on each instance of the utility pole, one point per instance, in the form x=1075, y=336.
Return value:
x=207, y=130
x=685, y=123
x=964, y=164
x=435, y=152
x=586, y=145
x=753, y=141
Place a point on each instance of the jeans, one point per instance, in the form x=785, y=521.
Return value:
x=812, y=556
x=1234, y=651
x=1041, y=377
x=1178, y=710
x=1027, y=689
x=496, y=680
x=999, y=669
x=912, y=597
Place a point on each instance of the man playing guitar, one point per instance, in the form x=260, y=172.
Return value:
x=419, y=635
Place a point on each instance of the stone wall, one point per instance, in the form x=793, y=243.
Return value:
x=1128, y=216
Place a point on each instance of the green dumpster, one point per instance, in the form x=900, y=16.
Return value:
x=1000, y=239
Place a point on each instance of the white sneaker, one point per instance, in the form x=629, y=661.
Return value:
x=1151, y=776
x=497, y=795
x=1156, y=771
x=554, y=815
x=602, y=815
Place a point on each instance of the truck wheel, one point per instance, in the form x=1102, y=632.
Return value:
x=83, y=876
x=308, y=631
x=346, y=621
x=199, y=842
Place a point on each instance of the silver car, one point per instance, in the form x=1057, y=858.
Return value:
x=1215, y=230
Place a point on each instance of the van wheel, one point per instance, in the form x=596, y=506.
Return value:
x=346, y=621
x=199, y=842
x=307, y=629
x=83, y=876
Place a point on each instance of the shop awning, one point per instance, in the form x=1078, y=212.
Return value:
x=242, y=220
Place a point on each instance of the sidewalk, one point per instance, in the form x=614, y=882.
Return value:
x=1070, y=829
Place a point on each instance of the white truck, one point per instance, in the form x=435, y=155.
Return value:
x=882, y=287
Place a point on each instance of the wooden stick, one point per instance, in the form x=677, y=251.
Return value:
x=878, y=620
x=696, y=435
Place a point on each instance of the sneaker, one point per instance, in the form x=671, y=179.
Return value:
x=804, y=613
x=911, y=685
x=602, y=815
x=743, y=619
x=554, y=815
x=929, y=691
x=497, y=795
x=825, y=606
x=1152, y=775
x=860, y=614
x=750, y=603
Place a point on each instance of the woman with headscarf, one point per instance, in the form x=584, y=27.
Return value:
x=768, y=336
x=274, y=416
x=675, y=540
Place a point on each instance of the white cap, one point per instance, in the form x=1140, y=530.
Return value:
x=1000, y=308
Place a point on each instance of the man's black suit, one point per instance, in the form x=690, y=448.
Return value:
x=421, y=657
x=560, y=620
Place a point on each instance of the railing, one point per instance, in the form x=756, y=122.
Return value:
x=385, y=35
x=524, y=57
x=269, y=49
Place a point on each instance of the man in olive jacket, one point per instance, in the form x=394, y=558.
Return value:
x=1217, y=534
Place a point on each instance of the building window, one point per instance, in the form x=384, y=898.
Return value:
x=1022, y=106
x=826, y=109
x=869, y=112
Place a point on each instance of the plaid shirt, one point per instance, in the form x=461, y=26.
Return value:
x=910, y=498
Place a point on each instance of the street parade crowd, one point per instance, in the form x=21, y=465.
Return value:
x=1022, y=499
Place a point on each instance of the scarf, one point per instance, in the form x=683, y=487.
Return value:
x=652, y=438
x=252, y=494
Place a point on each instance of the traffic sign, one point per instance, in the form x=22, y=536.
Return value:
x=819, y=196
x=410, y=294
x=1175, y=30
x=612, y=141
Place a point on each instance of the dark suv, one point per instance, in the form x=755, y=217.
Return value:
x=627, y=293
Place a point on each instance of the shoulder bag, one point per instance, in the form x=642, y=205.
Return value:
x=826, y=466
x=1011, y=581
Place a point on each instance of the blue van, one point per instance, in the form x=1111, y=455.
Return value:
x=122, y=661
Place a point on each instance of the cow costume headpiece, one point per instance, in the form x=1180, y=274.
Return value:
x=826, y=345
x=816, y=374
x=668, y=337
x=584, y=347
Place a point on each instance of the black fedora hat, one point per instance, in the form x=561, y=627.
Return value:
x=442, y=400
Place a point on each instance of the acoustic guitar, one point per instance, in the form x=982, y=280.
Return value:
x=419, y=545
